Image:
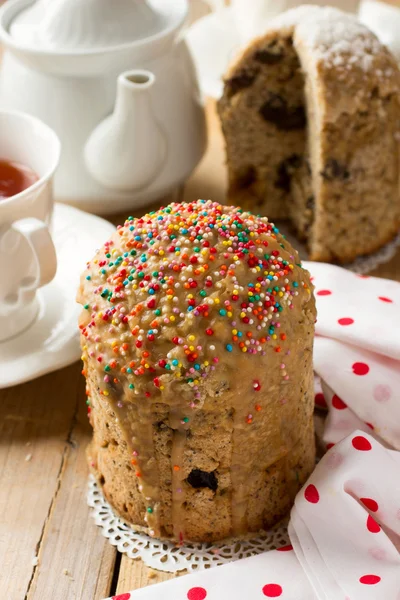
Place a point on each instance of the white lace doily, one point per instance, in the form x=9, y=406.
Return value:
x=164, y=555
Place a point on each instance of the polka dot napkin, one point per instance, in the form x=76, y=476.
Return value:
x=357, y=353
x=345, y=525
x=345, y=533
x=275, y=574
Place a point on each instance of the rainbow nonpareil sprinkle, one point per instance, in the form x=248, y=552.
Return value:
x=180, y=288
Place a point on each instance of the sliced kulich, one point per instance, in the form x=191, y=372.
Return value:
x=311, y=118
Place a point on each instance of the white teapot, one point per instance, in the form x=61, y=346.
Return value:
x=115, y=80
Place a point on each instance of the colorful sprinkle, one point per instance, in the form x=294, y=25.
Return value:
x=188, y=268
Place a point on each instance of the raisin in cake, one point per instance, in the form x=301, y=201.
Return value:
x=197, y=333
x=311, y=118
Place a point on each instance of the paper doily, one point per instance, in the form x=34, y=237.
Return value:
x=164, y=555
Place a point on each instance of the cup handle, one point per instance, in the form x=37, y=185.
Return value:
x=37, y=234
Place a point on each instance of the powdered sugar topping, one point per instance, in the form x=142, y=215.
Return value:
x=337, y=37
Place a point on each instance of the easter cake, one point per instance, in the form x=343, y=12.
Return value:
x=311, y=118
x=197, y=332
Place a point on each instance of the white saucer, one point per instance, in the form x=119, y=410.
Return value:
x=52, y=341
x=214, y=42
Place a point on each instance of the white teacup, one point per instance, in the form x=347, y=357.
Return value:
x=27, y=254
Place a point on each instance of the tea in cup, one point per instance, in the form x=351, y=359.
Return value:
x=29, y=155
x=15, y=178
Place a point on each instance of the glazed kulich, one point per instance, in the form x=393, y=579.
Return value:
x=197, y=332
x=311, y=118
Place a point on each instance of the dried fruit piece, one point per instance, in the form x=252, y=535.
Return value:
x=270, y=55
x=285, y=171
x=241, y=81
x=276, y=110
x=246, y=178
x=200, y=479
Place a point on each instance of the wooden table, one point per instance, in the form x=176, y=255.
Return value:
x=43, y=435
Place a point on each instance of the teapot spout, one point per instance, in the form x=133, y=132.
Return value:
x=126, y=151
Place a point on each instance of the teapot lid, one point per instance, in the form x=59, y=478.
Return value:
x=85, y=25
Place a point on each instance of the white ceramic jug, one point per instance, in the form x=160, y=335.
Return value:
x=133, y=125
x=115, y=80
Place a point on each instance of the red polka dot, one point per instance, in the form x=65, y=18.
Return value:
x=360, y=368
x=338, y=403
x=311, y=494
x=121, y=597
x=330, y=445
x=370, y=579
x=369, y=503
x=363, y=276
x=384, y=299
x=346, y=321
x=324, y=293
x=370, y=425
x=320, y=400
x=285, y=548
x=372, y=525
x=197, y=593
x=272, y=590
x=361, y=443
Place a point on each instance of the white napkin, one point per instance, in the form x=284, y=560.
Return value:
x=345, y=524
x=357, y=352
x=263, y=576
x=344, y=528
x=342, y=420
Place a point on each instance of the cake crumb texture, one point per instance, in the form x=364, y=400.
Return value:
x=311, y=118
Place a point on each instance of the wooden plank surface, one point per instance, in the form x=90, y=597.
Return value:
x=75, y=561
x=35, y=425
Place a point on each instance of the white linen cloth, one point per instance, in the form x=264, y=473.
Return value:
x=357, y=352
x=345, y=524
